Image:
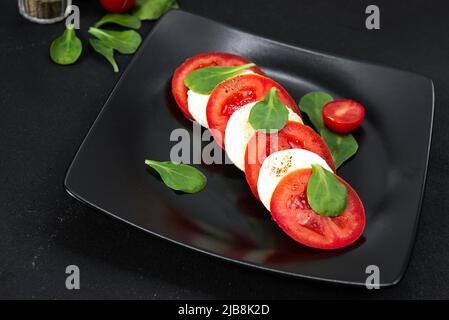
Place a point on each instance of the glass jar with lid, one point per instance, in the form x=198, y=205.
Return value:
x=44, y=11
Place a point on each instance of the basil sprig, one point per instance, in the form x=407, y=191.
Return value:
x=153, y=9
x=121, y=19
x=205, y=80
x=105, y=51
x=126, y=42
x=326, y=195
x=268, y=114
x=180, y=177
x=341, y=146
x=67, y=48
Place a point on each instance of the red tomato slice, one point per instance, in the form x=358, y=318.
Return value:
x=236, y=92
x=200, y=61
x=291, y=210
x=293, y=135
x=343, y=116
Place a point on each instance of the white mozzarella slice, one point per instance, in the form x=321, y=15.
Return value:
x=197, y=107
x=239, y=132
x=279, y=164
x=197, y=104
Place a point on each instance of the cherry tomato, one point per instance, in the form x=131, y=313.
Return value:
x=293, y=135
x=202, y=60
x=234, y=93
x=291, y=211
x=118, y=6
x=343, y=116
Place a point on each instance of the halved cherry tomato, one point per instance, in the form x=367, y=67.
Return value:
x=202, y=60
x=293, y=135
x=343, y=116
x=118, y=6
x=236, y=92
x=291, y=210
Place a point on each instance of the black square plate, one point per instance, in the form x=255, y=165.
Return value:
x=224, y=220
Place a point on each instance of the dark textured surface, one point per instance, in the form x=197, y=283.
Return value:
x=45, y=111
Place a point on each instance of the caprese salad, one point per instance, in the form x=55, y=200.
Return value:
x=289, y=166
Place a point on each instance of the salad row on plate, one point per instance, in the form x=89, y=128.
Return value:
x=287, y=165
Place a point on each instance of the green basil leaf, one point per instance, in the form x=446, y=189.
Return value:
x=341, y=146
x=67, y=48
x=268, y=114
x=312, y=104
x=179, y=177
x=105, y=51
x=124, y=20
x=326, y=195
x=126, y=42
x=153, y=9
x=205, y=80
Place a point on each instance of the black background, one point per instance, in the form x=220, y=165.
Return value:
x=45, y=111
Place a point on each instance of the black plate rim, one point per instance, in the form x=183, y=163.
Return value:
x=423, y=188
x=79, y=198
